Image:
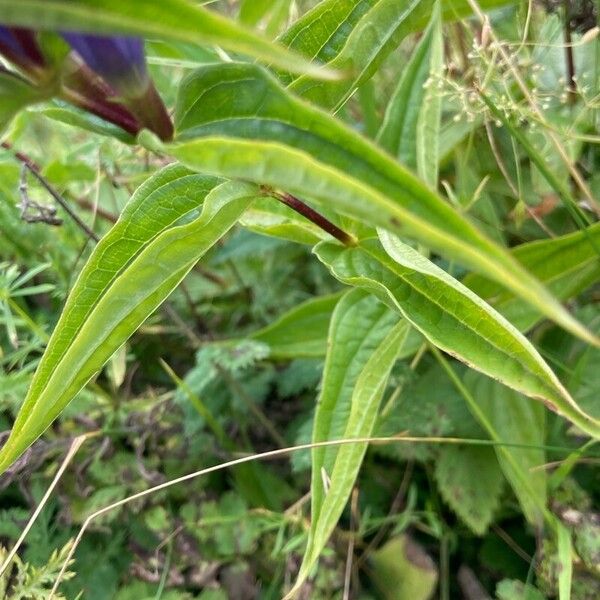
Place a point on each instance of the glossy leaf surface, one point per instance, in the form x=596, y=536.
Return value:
x=411, y=127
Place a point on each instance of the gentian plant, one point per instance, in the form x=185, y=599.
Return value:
x=432, y=285
x=104, y=75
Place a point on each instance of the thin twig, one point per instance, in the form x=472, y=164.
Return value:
x=63, y=203
x=42, y=213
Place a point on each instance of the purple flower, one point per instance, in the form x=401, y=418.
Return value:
x=9, y=42
x=20, y=47
x=120, y=61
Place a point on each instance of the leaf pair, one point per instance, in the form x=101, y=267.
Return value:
x=170, y=222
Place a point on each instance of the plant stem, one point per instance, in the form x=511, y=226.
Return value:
x=570, y=61
x=312, y=215
x=61, y=201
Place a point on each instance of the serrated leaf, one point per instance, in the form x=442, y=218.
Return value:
x=411, y=126
x=175, y=20
x=516, y=420
x=302, y=331
x=364, y=340
x=161, y=234
x=470, y=481
x=452, y=318
x=355, y=36
x=235, y=120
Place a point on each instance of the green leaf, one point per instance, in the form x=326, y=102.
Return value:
x=411, y=127
x=452, y=318
x=355, y=36
x=70, y=115
x=268, y=217
x=364, y=340
x=235, y=120
x=470, y=481
x=512, y=589
x=252, y=11
x=565, y=560
x=161, y=234
x=15, y=94
x=301, y=332
x=175, y=20
x=567, y=265
x=516, y=420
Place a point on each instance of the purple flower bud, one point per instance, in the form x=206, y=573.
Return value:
x=119, y=61
x=8, y=41
x=20, y=47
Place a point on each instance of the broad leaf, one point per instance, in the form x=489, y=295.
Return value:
x=301, y=332
x=452, y=318
x=364, y=340
x=355, y=36
x=161, y=234
x=515, y=420
x=176, y=20
x=470, y=481
x=235, y=120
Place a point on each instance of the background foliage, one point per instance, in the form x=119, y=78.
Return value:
x=455, y=155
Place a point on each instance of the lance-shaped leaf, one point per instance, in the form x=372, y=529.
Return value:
x=567, y=265
x=355, y=36
x=177, y=20
x=452, y=318
x=411, y=127
x=237, y=121
x=300, y=332
x=364, y=340
x=161, y=234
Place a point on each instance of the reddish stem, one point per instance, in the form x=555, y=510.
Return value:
x=317, y=218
